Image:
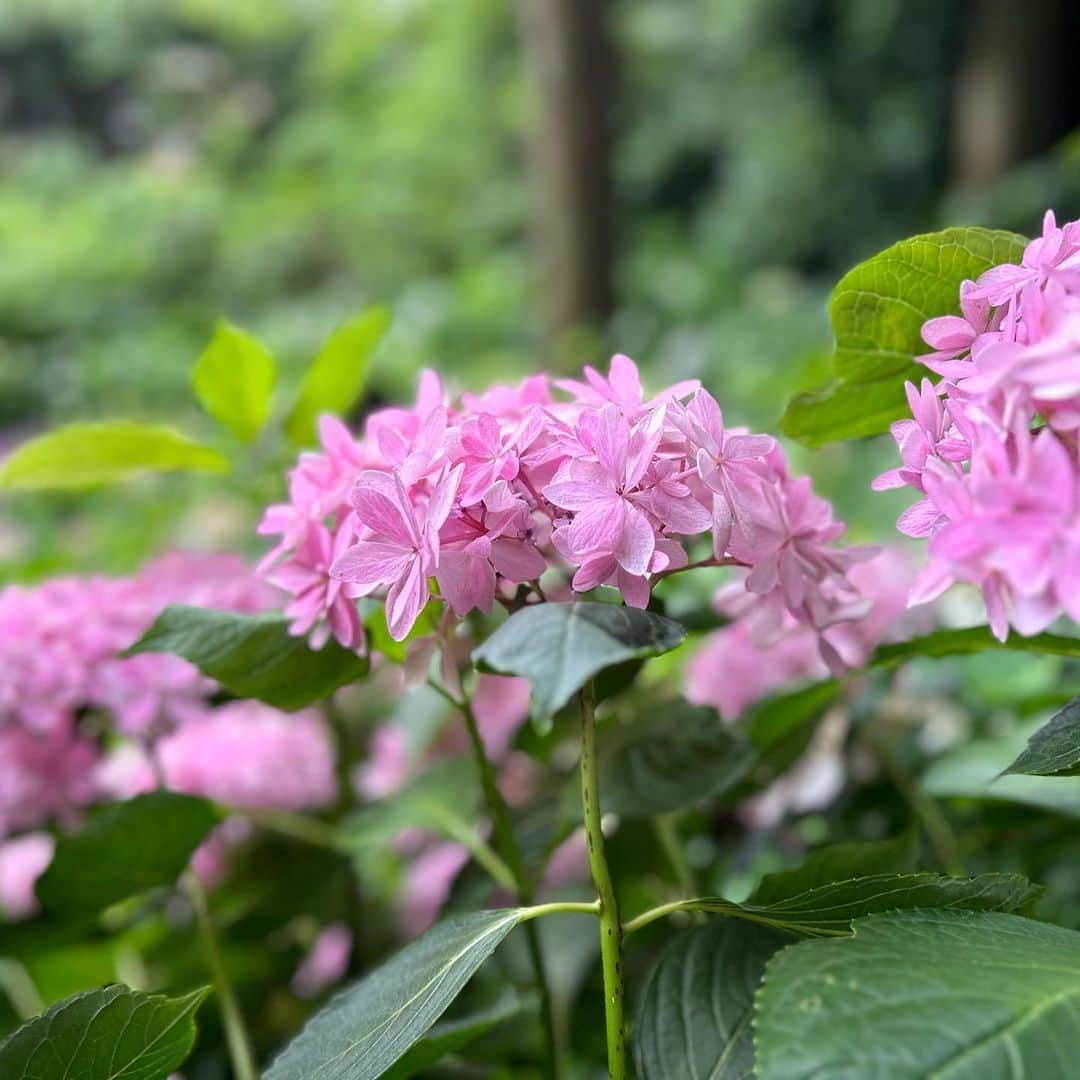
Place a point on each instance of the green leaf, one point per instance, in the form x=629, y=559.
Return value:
x=559, y=647
x=234, y=379
x=88, y=455
x=680, y=757
x=974, y=771
x=108, y=1034
x=368, y=1027
x=125, y=849
x=694, y=1018
x=1055, y=748
x=252, y=656
x=877, y=312
x=451, y=1036
x=780, y=715
x=971, y=640
x=335, y=381
x=924, y=994
x=839, y=862
x=829, y=909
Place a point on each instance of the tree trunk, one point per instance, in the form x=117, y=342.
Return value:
x=568, y=53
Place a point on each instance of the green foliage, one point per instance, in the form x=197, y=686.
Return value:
x=877, y=312
x=923, y=993
x=971, y=640
x=252, y=656
x=91, y=454
x=335, y=381
x=109, y=1034
x=125, y=849
x=670, y=761
x=234, y=379
x=1053, y=750
x=694, y=1018
x=559, y=647
x=450, y=1036
x=369, y=1026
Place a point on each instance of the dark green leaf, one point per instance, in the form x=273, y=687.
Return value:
x=450, y=1036
x=335, y=380
x=252, y=656
x=559, y=647
x=680, y=757
x=125, y=849
x=829, y=909
x=368, y=1027
x=840, y=862
x=1055, y=748
x=922, y=994
x=877, y=312
x=88, y=455
x=970, y=640
x=234, y=379
x=109, y=1034
x=694, y=1018
x=774, y=719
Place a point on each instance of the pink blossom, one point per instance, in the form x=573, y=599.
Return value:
x=428, y=881
x=325, y=963
x=993, y=449
x=22, y=861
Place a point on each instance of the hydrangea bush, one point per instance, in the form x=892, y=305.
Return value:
x=478, y=707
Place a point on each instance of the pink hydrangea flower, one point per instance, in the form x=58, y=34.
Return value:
x=22, y=861
x=325, y=963
x=992, y=449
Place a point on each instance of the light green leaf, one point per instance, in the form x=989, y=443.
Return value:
x=368, y=1027
x=1055, y=748
x=450, y=1036
x=919, y=994
x=877, y=312
x=559, y=647
x=974, y=771
x=91, y=454
x=108, y=1034
x=234, y=378
x=252, y=656
x=125, y=849
x=335, y=381
x=694, y=1018
x=681, y=756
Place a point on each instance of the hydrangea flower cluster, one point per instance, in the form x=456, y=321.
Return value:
x=993, y=445
x=77, y=720
x=489, y=493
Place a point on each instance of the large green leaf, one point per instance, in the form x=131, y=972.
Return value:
x=368, y=1027
x=679, y=757
x=335, y=380
x=829, y=909
x=234, y=378
x=924, y=994
x=694, y=1017
x=877, y=312
x=1055, y=748
x=125, y=849
x=108, y=1034
x=450, y=1036
x=87, y=455
x=974, y=771
x=971, y=640
x=559, y=647
x=252, y=656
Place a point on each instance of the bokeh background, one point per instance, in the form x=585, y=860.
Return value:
x=524, y=184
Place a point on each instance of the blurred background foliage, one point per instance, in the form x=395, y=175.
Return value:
x=695, y=186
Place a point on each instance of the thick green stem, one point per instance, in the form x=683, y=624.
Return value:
x=610, y=926
x=236, y=1036
x=507, y=846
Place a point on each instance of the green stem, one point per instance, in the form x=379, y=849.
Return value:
x=667, y=834
x=236, y=1036
x=610, y=926
x=507, y=846
x=561, y=907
